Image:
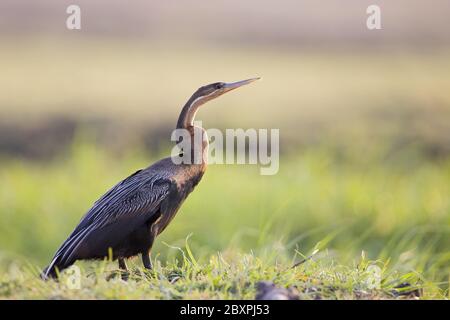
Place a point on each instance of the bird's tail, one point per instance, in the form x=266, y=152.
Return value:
x=48, y=273
x=52, y=270
x=60, y=261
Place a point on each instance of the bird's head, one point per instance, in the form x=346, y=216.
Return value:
x=205, y=94
x=214, y=90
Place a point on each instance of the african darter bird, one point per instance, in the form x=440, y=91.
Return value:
x=126, y=220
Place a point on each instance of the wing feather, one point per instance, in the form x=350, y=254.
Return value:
x=132, y=201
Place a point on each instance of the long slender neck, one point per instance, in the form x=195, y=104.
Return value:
x=187, y=115
x=198, y=137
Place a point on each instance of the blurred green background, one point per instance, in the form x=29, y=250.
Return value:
x=364, y=119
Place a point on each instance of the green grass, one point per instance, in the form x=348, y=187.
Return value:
x=222, y=276
x=365, y=167
x=244, y=227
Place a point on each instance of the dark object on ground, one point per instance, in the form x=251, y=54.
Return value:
x=406, y=289
x=126, y=220
x=267, y=290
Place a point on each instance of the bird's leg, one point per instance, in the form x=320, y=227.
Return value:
x=146, y=260
x=124, y=269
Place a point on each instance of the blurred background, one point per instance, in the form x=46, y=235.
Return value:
x=364, y=119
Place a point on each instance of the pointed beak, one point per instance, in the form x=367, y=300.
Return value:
x=233, y=85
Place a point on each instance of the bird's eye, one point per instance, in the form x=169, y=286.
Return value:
x=219, y=86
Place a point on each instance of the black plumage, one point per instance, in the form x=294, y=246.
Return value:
x=126, y=220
